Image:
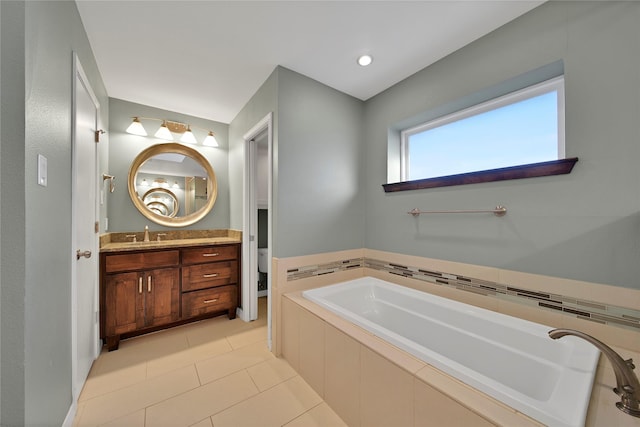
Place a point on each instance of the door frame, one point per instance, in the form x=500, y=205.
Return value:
x=250, y=222
x=77, y=383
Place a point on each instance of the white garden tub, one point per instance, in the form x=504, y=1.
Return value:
x=510, y=359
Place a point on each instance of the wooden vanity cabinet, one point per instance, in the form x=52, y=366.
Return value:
x=143, y=291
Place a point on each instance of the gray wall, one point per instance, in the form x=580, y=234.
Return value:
x=123, y=148
x=36, y=270
x=320, y=205
x=317, y=206
x=263, y=102
x=582, y=226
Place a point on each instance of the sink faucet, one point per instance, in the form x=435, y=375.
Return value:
x=627, y=385
x=146, y=233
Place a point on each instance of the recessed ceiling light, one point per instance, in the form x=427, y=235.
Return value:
x=365, y=60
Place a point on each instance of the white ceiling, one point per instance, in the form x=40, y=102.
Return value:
x=207, y=58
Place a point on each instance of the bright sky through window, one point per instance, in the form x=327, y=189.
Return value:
x=515, y=134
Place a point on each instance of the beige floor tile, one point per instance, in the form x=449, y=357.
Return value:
x=187, y=357
x=132, y=420
x=274, y=407
x=119, y=403
x=155, y=345
x=270, y=373
x=228, y=363
x=214, y=329
x=192, y=406
x=204, y=423
x=320, y=416
x=248, y=337
x=102, y=383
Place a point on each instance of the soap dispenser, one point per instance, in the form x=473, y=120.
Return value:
x=146, y=233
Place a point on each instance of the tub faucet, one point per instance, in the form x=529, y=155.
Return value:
x=146, y=233
x=627, y=385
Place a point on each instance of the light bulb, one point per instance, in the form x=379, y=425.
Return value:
x=365, y=60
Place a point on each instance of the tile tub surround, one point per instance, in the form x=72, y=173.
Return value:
x=119, y=241
x=367, y=381
x=606, y=312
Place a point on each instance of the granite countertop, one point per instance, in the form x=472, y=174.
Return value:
x=122, y=241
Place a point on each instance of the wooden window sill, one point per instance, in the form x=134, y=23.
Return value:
x=554, y=167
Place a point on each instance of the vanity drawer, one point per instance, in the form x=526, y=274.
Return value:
x=203, y=276
x=208, y=301
x=209, y=254
x=141, y=260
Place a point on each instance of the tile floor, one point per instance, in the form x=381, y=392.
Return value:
x=217, y=372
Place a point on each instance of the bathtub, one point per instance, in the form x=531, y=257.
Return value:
x=509, y=359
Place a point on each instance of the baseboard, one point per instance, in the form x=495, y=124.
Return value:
x=71, y=415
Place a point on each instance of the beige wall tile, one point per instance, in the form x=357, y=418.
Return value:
x=192, y=406
x=386, y=392
x=433, y=408
x=477, y=402
x=228, y=363
x=274, y=407
x=612, y=336
x=290, y=333
x=320, y=416
x=342, y=375
x=533, y=314
x=312, y=351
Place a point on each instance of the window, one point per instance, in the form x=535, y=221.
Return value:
x=523, y=127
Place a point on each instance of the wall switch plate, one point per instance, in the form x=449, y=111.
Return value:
x=42, y=170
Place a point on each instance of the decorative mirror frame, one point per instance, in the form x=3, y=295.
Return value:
x=173, y=147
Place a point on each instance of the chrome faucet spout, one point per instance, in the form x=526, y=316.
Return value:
x=146, y=233
x=627, y=385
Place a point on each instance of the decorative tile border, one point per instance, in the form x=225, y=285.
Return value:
x=321, y=269
x=582, y=309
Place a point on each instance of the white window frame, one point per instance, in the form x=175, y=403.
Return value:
x=554, y=84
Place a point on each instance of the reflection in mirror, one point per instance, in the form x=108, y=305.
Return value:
x=161, y=201
x=172, y=184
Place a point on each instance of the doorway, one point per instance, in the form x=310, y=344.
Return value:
x=85, y=342
x=258, y=233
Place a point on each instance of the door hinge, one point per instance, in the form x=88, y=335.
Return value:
x=96, y=227
x=97, y=134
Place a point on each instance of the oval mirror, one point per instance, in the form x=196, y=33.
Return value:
x=172, y=184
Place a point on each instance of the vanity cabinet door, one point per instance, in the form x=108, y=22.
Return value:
x=162, y=296
x=124, y=303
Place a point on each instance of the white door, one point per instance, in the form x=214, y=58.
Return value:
x=85, y=336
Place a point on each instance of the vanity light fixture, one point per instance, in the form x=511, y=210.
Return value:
x=210, y=140
x=163, y=132
x=168, y=128
x=364, y=60
x=188, y=136
x=136, y=128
